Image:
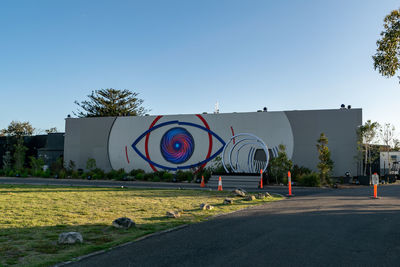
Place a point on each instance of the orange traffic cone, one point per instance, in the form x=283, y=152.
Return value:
x=261, y=180
x=202, y=182
x=220, y=184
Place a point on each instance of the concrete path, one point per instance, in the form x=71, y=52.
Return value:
x=343, y=227
x=140, y=184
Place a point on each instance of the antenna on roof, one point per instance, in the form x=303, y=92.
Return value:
x=216, y=109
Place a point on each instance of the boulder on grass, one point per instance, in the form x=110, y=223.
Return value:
x=250, y=198
x=228, y=201
x=205, y=206
x=260, y=196
x=173, y=214
x=123, y=222
x=239, y=192
x=267, y=194
x=70, y=238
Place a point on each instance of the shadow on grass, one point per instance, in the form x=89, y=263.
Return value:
x=38, y=246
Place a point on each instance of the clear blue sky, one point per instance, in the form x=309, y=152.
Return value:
x=183, y=56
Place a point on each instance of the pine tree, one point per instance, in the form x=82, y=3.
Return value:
x=325, y=164
x=111, y=102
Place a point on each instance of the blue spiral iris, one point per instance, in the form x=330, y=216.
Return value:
x=177, y=145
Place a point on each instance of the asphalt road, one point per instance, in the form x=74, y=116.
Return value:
x=342, y=227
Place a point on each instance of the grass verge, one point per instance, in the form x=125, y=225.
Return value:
x=32, y=217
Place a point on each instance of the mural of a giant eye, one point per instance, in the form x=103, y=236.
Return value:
x=177, y=145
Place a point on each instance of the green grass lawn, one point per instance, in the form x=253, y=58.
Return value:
x=32, y=217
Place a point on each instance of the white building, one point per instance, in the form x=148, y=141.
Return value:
x=391, y=164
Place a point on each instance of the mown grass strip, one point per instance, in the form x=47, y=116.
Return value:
x=32, y=217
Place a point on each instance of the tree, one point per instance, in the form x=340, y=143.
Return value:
x=396, y=144
x=366, y=136
x=280, y=165
x=51, y=130
x=19, y=155
x=387, y=135
x=18, y=129
x=111, y=102
x=387, y=57
x=325, y=164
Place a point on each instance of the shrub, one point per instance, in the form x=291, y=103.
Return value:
x=299, y=171
x=156, y=178
x=311, y=179
x=135, y=172
x=139, y=176
x=62, y=174
x=36, y=165
x=7, y=162
x=75, y=174
x=167, y=177
x=46, y=174
x=116, y=175
x=189, y=176
x=148, y=176
x=10, y=173
x=206, y=173
x=98, y=174
x=57, y=166
x=180, y=176
x=19, y=155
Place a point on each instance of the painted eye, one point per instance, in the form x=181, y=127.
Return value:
x=177, y=144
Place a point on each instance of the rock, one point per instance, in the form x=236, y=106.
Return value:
x=267, y=194
x=250, y=198
x=70, y=238
x=173, y=214
x=239, y=192
x=228, y=201
x=205, y=206
x=260, y=196
x=123, y=222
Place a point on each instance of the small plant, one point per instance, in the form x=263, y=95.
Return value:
x=91, y=164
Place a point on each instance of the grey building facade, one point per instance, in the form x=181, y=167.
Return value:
x=174, y=142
